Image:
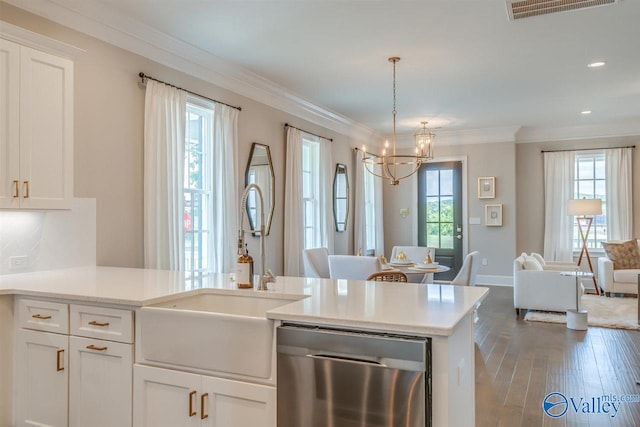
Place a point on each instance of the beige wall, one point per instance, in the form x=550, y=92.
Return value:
x=108, y=158
x=496, y=244
x=530, y=186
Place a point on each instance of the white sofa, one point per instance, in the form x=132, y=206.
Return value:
x=535, y=288
x=616, y=281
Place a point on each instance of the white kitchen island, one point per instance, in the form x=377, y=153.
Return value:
x=442, y=312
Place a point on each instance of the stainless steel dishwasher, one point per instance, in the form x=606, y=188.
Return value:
x=342, y=378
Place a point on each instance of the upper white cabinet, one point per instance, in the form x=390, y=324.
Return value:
x=36, y=128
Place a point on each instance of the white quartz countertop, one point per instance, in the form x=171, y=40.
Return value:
x=409, y=308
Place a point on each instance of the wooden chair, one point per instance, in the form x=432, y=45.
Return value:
x=388, y=276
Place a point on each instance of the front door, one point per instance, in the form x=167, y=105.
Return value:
x=440, y=213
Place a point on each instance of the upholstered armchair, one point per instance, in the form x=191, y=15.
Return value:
x=535, y=288
x=617, y=270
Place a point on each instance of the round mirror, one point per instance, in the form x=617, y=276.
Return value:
x=341, y=197
x=260, y=172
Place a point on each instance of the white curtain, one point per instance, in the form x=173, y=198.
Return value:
x=379, y=217
x=293, y=200
x=359, y=216
x=164, y=133
x=558, y=189
x=361, y=219
x=225, y=210
x=325, y=171
x=293, y=205
x=619, y=204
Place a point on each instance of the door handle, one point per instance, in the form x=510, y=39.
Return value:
x=16, y=189
x=459, y=236
x=347, y=359
x=26, y=193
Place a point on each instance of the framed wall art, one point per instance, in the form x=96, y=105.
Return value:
x=493, y=215
x=486, y=187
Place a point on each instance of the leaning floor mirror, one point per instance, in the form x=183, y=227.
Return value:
x=341, y=197
x=260, y=172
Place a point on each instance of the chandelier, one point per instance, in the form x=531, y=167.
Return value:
x=393, y=166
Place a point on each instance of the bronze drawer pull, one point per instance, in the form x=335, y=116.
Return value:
x=41, y=317
x=96, y=323
x=93, y=347
x=203, y=414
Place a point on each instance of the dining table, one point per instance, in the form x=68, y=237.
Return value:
x=416, y=272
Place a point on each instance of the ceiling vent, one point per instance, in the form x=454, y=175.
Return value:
x=528, y=8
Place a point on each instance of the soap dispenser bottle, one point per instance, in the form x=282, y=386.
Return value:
x=244, y=270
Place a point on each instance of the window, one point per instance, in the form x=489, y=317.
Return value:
x=369, y=213
x=310, y=193
x=590, y=183
x=198, y=190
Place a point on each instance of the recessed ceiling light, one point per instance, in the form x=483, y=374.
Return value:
x=585, y=112
x=597, y=64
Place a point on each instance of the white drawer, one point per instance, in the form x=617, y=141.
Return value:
x=43, y=315
x=103, y=323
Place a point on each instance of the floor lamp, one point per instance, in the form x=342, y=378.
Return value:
x=581, y=208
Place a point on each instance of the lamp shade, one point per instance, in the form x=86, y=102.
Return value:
x=584, y=207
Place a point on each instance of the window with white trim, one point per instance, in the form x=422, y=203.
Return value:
x=369, y=213
x=590, y=183
x=198, y=189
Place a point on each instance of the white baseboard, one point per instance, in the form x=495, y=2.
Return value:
x=487, y=279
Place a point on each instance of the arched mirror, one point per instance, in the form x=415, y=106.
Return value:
x=341, y=197
x=260, y=172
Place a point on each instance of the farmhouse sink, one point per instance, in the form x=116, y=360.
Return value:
x=221, y=333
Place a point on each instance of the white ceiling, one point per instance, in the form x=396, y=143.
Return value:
x=465, y=66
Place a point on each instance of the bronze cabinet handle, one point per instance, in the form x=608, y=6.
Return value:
x=59, y=366
x=26, y=193
x=41, y=317
x=93, y=347
x=191, y=411
x=203, y=415
x=96, y=323
x=16, y=189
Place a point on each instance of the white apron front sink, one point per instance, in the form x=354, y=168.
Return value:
x=211, y=332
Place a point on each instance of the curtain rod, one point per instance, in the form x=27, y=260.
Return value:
x=586, y=149
x=310, y=133
x=144, y=77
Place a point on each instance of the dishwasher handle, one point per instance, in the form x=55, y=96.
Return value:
x=346, y=359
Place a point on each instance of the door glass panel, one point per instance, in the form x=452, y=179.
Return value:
x=433, y=207
x=446, y=235
x=446, y=209
x=446, y=182
x=433, y=235
x=432, y=183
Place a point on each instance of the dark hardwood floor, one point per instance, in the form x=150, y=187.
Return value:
x=518, y=363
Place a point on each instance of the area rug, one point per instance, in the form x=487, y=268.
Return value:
x=616, y=313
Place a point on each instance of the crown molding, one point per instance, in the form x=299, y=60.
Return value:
x=96, y=20
x=629, y=127
x=37, y=41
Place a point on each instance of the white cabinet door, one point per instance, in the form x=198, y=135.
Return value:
x=100, y=383
x=228, y=403
x=41, y=380
x=9, y=123
x=46, y=130
x=165, y=398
